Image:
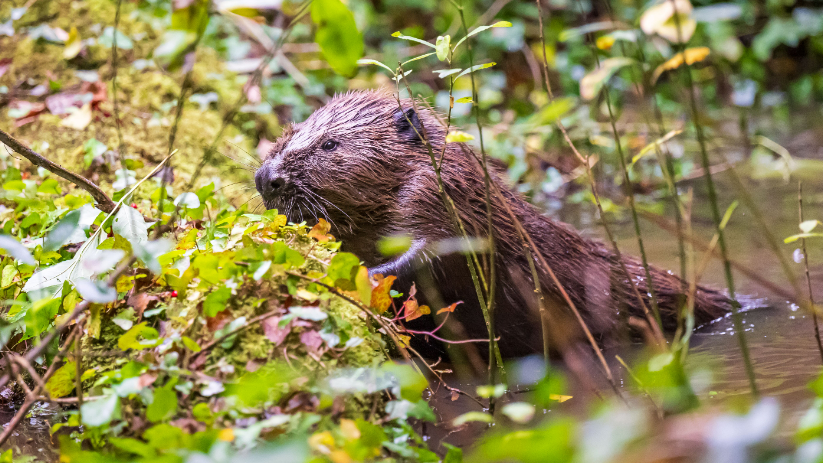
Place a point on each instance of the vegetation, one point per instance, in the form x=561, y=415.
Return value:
x=148, y=293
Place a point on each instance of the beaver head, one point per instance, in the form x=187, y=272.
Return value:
x=347, y=163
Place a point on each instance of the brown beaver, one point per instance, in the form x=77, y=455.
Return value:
x=360, y=163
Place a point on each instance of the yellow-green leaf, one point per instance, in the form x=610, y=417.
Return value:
x=457, y=136
x=62, y=381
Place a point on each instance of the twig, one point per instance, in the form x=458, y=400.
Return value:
x=104, y=203
x=812, y=308
x=33, y=396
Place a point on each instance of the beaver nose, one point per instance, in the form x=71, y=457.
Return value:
x=269, y=182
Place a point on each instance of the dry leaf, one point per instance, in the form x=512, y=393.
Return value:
x=273, y=331
x=592, y=82
x=79, y=119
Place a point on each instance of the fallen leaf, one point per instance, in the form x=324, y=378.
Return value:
x=62, y=103
x=79, y=119
x=273, y=331
x=5, y=64
x=312, y=340
x=73, y=44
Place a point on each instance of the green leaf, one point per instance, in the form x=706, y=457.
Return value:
x=416, y=58
x=188, y=199
x=443, y=73
x=337, y=35
x=481, y=29
x=164, y=404
x=411, y=382
x=149, y=252
x=101, y=412
x=553, y=111
x=519, y=412
x=139, y=337
x=375, y=62
x=342, y=266
x=49, y=187
x=130, y=224
x=592, y=82
x=488, y=391
x=472, y=417
x=465, y=99
x=134, y=446
x=442, y=47
x=91, y=149
x=653, y=145
x=283, y=254
x=474, y=68
x=62, y=381
x=413, y=39
x=191, y=344
x=215, y=302
x=453, y=455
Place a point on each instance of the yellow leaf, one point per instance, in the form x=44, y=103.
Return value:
x=690, y=56
x=403, y=340
x=320, y=231
x=349, y=429
x=322, y=442
x=457, y=136
x=73, y=45
x=380, y=295
x=605, y=42
x=559, y=398
x=226, y=435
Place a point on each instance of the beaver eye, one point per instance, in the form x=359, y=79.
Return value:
x=329, y=145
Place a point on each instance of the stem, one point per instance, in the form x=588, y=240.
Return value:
x=812, y=308
x=489, y=213
x=704, y=156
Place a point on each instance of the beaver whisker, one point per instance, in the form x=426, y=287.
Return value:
x=246, y=166
x=253, y=159
x=329, y=203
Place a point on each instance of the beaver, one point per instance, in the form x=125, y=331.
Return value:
x=360, y=163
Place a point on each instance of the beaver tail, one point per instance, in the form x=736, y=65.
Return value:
x=671, y=291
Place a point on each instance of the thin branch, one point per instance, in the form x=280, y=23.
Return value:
x=812, y=308
x=104, y=203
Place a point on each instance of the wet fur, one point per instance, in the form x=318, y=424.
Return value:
x=379, y=182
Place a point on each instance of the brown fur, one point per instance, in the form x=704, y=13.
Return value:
x=378, y=181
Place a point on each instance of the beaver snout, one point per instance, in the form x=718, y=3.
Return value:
x=269, y=182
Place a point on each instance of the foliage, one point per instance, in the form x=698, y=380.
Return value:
x=235, y=334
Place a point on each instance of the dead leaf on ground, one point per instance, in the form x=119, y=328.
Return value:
x=79, y=119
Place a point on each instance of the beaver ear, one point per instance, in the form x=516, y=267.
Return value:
x=407, y=130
